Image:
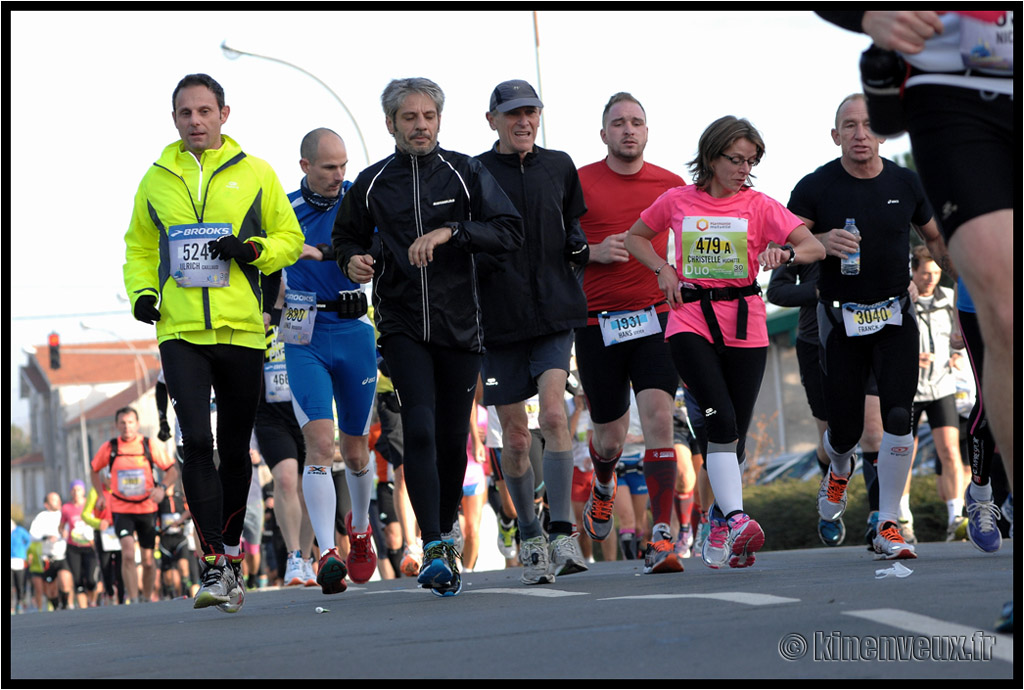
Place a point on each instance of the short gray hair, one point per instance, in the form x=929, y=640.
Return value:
x=851, y=97
x=396, y=92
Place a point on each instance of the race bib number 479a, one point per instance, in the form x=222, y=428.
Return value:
x=713, y=247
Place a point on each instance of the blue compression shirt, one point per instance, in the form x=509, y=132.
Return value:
x=322, y=277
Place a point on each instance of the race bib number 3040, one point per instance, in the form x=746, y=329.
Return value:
x=864, y=319
x=713, y=247
x=191, y=264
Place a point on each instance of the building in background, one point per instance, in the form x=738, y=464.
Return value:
x=71, y=411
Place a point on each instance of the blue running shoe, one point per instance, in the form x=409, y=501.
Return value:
x=1004, y=624
x=982, y=529
x=872, y=531
x=831, y=532
x=435, y=570
x=454, y=585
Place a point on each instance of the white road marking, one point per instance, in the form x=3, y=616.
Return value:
x=749, y=598
x=526, y=591
x=928, y=627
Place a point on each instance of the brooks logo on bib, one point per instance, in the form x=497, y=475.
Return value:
x=298, y=317
x=713, y=247
x=191, y=265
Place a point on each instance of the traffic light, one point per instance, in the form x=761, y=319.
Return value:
x=54, y=351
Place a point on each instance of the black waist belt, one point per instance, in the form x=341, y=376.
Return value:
x=692, y=293
x=349, y=305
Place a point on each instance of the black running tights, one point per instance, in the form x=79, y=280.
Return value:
x=216, y=497
x=436, y=387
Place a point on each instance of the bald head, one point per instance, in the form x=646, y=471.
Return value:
x=324, y=158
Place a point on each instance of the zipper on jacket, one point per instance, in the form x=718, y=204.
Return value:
x=418, y=221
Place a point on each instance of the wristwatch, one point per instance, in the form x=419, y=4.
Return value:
x=792, y=253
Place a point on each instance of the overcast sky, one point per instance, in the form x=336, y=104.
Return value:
x=90, y=110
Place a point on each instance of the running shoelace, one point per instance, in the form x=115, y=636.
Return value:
x=601, y=508
x=985, y=513
x=836, y=488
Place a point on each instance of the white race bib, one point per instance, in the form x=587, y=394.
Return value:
x=297, y=317
x=986, y=46
x=275, y=375
x=109, y=540
x=131, y=483
x=864, y=319
x=191, y=265
x=620, y=326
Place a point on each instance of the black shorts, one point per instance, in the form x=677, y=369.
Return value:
x=390, y=444
x=386, y=503
x=173, y=547
x=810, y=377
x=941, y=412
x=141, y=524
x=965, y=151
x=681, y=434
x=54, y=567
x=510, y=372
x=607, y=371
x=279, y=441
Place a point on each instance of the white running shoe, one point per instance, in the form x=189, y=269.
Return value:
x=565, y=555
x=533, y=554
x=295, y=571
x=307, y=569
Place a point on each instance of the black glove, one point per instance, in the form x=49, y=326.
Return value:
x=351, y=304
x=165, y=430
x=145, y=309
x=579, y=254
x=230, y=247
x=327, y=250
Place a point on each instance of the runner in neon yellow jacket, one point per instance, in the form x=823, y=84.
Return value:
x=207, y=220
x=223, y=185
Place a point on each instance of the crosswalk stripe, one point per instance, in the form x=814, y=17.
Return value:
x=1002, y=647
x=749, y=598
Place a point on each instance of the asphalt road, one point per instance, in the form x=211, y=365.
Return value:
x=817, y=613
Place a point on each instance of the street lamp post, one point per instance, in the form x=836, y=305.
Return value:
x=234, y=54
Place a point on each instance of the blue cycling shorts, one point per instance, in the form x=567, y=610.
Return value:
x=338, y=366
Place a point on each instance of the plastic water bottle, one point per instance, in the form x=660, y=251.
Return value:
x=851, y=265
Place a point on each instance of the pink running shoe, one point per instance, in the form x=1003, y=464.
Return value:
x=746, y=537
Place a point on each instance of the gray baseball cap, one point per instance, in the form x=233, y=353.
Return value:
x=512, y=94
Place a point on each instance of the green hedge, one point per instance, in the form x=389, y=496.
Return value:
x=787, y=511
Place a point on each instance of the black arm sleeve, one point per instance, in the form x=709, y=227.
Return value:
x=270, y=285
x=847, y=19
x=785, y=291
x=161, y=399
